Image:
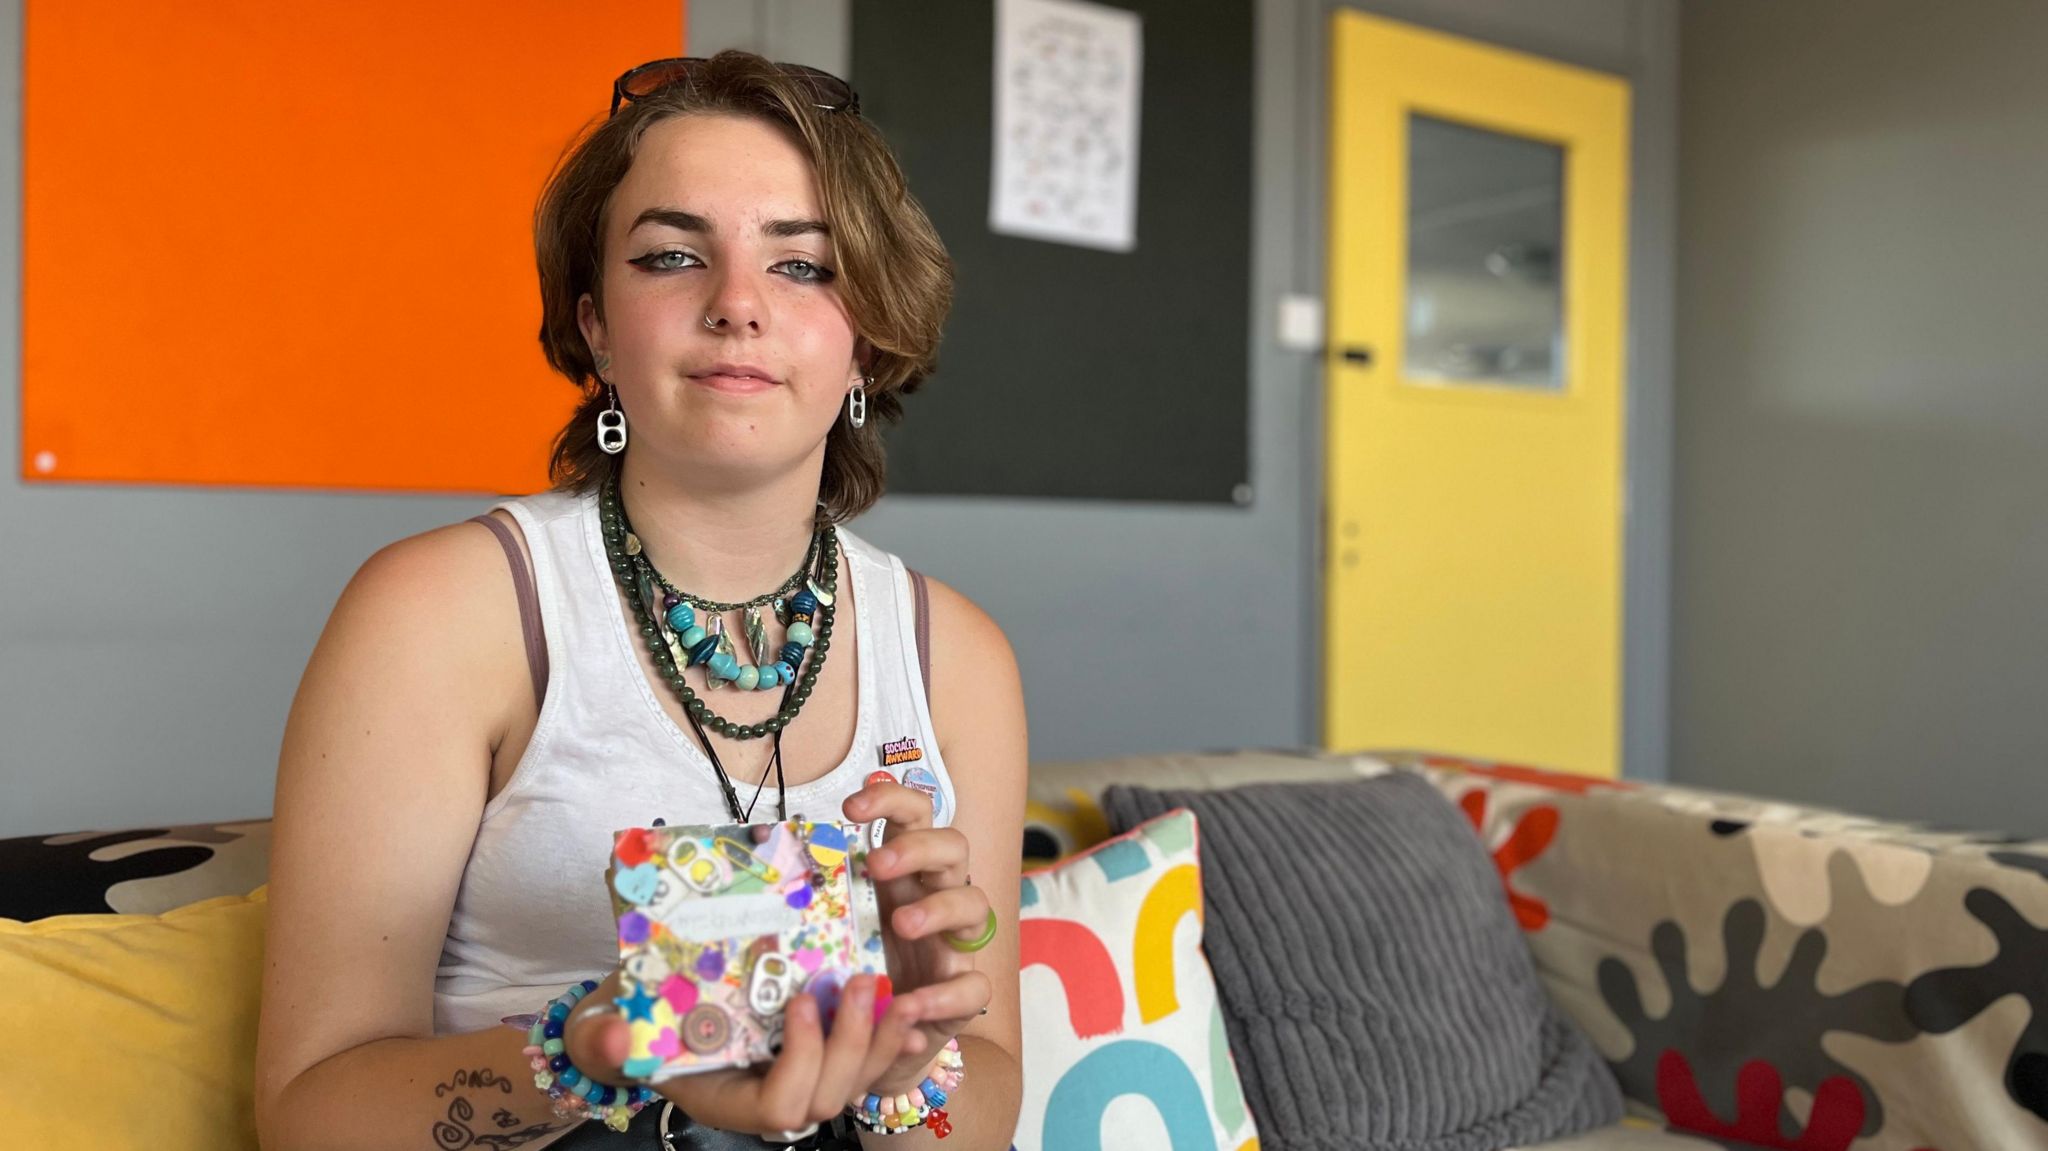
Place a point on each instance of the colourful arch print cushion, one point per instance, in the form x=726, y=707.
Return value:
x=1124, y=1044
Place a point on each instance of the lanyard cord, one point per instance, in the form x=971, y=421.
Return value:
x=732, y=799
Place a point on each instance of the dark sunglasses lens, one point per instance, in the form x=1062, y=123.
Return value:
x=827, y=90
x=651, y=78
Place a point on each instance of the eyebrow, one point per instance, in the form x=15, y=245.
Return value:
x=691, y=222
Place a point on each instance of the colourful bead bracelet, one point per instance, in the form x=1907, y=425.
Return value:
x=575, y=1094
x=923, y=1106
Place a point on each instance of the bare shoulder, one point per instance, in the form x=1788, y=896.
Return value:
x=977, y=693
x=445, y=568
x=407, y=684
x=963, y=631
x=439, y=603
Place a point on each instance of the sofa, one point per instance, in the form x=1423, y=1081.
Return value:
x=1753, y=973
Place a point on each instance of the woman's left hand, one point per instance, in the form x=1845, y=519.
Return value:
x=921, y=880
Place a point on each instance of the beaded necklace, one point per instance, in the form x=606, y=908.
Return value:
x=672, y=593
x=668, y=624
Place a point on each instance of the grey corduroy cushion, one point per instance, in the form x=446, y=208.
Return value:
x=1376, y=989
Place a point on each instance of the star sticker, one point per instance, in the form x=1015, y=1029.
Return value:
x=639, y=1005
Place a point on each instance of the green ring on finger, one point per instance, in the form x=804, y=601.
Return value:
x=987, y=936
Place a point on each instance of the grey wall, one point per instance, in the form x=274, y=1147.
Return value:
x=151, y=639
x=1862, y=458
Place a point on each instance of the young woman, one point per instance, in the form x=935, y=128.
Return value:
x=735, y=276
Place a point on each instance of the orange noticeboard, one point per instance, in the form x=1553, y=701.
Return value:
x=291, y=245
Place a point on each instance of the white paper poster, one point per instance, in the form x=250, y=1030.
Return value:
x=1067, y=79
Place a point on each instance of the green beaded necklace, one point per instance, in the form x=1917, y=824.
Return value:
x=795, y=580
x=644, y=586
x=809, y=613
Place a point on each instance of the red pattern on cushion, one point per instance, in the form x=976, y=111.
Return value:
x=1095, y=992
x=1529, y=837
x=1520, y=773
x=1833, y=1124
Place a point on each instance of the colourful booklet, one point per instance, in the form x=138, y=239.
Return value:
x=720, y=927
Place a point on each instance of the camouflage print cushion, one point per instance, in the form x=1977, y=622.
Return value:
x=140, y=871
x=1770, y=975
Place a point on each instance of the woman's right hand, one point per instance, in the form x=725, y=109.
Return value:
x=811, y=1080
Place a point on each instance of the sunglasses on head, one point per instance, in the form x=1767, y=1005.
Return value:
x=828, y=92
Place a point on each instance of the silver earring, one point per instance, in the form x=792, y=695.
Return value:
x=611, y=427
x=857, y=402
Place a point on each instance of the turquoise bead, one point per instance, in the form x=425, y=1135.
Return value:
x=724, y=666
x=749, y=678
x=785, y=673
x=552, y=1047
x=570, y=1077
x=681, y=618
x=705, y=651
x=768, y=678
x=692, y=636
x=801, y=633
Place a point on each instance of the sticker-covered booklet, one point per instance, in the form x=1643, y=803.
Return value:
x=719, y=927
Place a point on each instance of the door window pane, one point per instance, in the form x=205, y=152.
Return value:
x=1485, y=252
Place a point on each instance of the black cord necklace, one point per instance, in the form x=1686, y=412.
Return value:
x=732, y=799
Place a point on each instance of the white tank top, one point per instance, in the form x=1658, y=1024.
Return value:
x=532, y=914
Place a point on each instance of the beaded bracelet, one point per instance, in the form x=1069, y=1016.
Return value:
x=575, y=1094
x=922, y=1106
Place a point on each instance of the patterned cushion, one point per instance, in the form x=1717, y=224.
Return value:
x=1124, y=1043
x=1779, y=976
x=141, y=871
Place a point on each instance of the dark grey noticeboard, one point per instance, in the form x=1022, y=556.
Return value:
x=1069, y=371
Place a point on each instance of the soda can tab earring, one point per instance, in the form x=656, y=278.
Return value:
x=857, y=402
x=611, y=428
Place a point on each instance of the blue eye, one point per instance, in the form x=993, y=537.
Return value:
x=661, y=262
x=813, y=273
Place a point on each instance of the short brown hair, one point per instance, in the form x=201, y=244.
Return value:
x=893, y=273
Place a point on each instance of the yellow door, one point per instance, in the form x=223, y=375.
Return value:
x=1477, y=271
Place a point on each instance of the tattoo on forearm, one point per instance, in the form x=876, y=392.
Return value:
x=454, y=1132
x=481, y=1077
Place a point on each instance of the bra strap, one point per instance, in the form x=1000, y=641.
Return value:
x=922, y=597
x=529, y=606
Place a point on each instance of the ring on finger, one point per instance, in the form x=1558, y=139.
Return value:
x=987, y=936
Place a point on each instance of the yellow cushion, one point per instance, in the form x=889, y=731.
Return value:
x=132, y=1030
